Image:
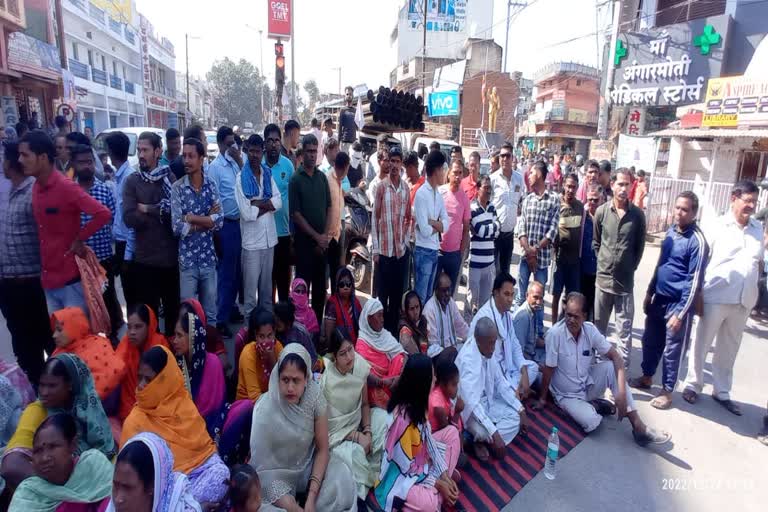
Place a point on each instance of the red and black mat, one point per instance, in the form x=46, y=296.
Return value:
x=490, y=486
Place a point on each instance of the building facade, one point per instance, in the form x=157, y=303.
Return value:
x=566, y=98
x=200, y=109
x=104, y=57
x=158, y=62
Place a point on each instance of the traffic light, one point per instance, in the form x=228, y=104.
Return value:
x=279, y=71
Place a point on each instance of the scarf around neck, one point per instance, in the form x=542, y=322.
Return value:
x=161, y=174
x=251, y=185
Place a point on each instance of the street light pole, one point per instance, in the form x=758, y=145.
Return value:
x=263, y=76
x=186, y=53
x=293, y=67
x=424, y=55
x=510, y=3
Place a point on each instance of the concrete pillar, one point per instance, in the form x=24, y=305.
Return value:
x=674, y=166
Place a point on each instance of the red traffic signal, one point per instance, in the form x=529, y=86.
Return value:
x=280, y=62
x=279, y=50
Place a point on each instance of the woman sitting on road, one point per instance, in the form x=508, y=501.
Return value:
x=258, y=357
x=382, y=351
x=289, y=442
x=65, y=479
x=165, y=407
x=414, y=336
x=342, y=311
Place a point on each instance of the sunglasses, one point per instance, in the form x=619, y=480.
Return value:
x=593, y=200
x=345, y=284
x=505, y=155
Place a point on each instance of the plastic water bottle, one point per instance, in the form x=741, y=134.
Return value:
x=553, y=450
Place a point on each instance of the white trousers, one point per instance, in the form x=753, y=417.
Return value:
x=602, y=377
x=257, y=279
x=533, y=374
x=727, y=322
x=504, y=417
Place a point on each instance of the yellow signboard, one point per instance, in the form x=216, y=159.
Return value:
x=118, y=10
x=736, y=101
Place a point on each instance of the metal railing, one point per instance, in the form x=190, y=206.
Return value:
x=130, y=88
x=79, y=69
x=99, y=76
x=116, y=82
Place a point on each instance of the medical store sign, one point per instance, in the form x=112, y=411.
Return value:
x=445, y=103
x=669, y=65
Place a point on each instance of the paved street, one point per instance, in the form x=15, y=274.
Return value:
x=713, y=462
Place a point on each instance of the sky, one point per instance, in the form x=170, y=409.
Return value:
x=355, y=35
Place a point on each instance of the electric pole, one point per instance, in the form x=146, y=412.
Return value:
x=263, y=77
x=186, y=55
x=293, y=65
x=510, y=4
x=602, y=119
x=424, y=56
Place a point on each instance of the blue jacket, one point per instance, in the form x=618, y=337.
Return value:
x=679, y=273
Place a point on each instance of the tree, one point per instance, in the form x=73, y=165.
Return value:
x=313, y=91
x=237, y=89
x=302, y=112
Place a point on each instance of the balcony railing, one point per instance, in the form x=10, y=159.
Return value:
x=99, y=76
x=96, y=13
x=115, y=26
x=129, y=87
x=78, y=69
x=115, y=82
x=129, y=36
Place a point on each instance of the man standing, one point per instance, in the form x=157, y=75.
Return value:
x=259, y=200
x=22, y=300
x=281, y=169
x=578, y=383
x=641, y=190
x=118, y=145
x=373, y=168
x=729, y=294
x=670, y=301
x=492, y=413
x=101, y=241
x=196, y=214
x=147, y=209
x=604, y=179
x=536, y=231
x=390, y=234
x=310, y=203
x=588, y=259
x=470, y=184
x=327, y=132
x=57, y=204
x=291, y=134
x=528, y=331
x=508, y=191
x=173, y=149
x=224, y=172
x=347, y=125
x=567, y=244
x=337, y=176
x=315, y=130
x=520, y=372
x=485, y=228
x=431, y=221
x=619, y=242
x=456, y=239
x=590, y=178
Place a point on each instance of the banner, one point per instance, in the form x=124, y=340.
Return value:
x=442, y=15
x=279, y=14
x=639, y=152
x=32, y=56
x=600, y=150
x=10, y=110
x=118, y=10
x=444, y=103
x=736, y=101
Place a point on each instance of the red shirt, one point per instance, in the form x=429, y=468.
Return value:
x=470, y=188
x=415, y=188
x=57, y=205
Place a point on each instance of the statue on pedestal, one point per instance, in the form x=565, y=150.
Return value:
x=494, y=105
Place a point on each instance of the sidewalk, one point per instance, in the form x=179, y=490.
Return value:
x=713, y=462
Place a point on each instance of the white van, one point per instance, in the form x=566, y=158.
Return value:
x=133, y=133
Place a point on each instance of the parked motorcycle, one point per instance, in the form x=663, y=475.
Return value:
x=357, y=229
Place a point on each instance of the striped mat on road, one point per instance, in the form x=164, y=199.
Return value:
x=490, y=486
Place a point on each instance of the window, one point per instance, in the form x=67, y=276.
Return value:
x=578, y=83
x=669, y=12
x=125, y=72
x=90, y=58
x=114, y=68
x=103, y=63
x=74, y=51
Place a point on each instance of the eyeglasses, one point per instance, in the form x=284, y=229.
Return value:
x=594, y=200
x=345, y=284
x=505, y=155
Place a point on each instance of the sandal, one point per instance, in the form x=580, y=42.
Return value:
x=690, y=396
x=639, y=383
x=651, y=436
x=662, y=402
x=604, y=407
x=729, y=404
x=481, y=452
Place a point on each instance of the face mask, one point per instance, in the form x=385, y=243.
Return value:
x=300, y=300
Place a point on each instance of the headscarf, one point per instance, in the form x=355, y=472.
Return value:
x=165, y=407
x=349, y=325
x=19, y=380
x=205, y=378
x=382, y=341
x=171, y=488
x=418, y=330
x=11, y=407
x=304, y=313
x=251, y=185
x=160, y=173
x=93, y=430
x=344, y=394
x=90, y=482
x=96, y=351
x=131, y=356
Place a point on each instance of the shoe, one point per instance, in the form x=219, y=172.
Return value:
x=651, y=436
x=639, y=383
x=224, y=330
x=463, y=280
x=729, y=404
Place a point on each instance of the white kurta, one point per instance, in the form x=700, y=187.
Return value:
x=508, y=352
x=490, y=402
x=446, y=327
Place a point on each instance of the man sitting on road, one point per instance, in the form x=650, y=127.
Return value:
x=578, y=383
x=527, y=330
x=492, y=413
x=445, y=324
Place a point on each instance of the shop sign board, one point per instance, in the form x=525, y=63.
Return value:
x=279, y=14
x=736, y=101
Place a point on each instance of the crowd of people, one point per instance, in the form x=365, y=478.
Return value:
x=324, y=401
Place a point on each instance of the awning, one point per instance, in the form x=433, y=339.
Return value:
x=717, y=133
x=547, y=135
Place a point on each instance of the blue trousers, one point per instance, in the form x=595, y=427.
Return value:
x=541, y=275
x=661, y=345
x=228, y=269
x=450, y=263
x=425, y=266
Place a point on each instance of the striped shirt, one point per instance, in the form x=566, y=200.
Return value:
x=391, y=219
x=485, y=228
x=101, y=241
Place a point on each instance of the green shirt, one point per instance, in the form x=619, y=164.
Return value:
x=619, y=244
x=569, y=232
x=310, y=196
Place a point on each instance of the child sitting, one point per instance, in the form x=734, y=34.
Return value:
x=245, y=491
